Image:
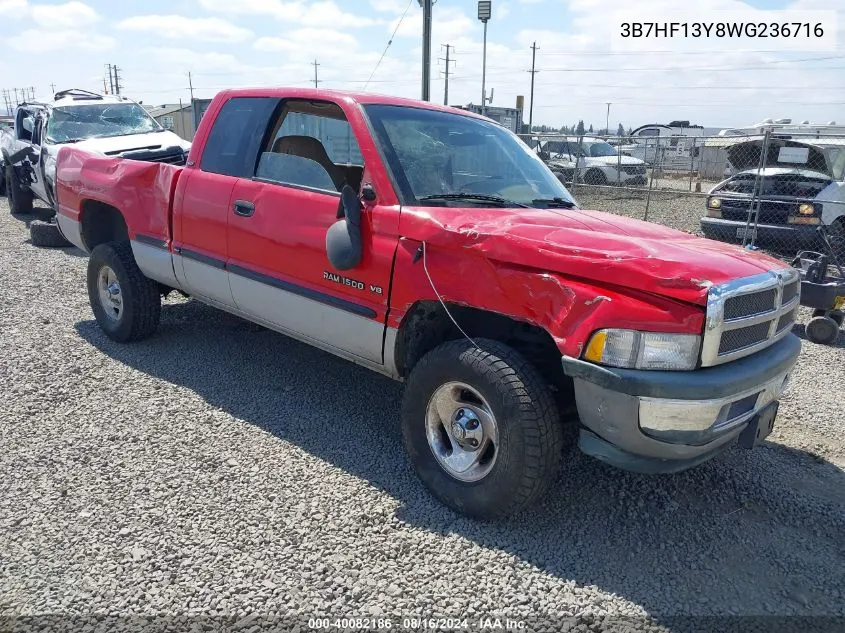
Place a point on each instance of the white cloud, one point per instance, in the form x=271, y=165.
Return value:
x=49, y=41
x=390, y=6
x=14, y=9
x=71, y=15
x=323, y=39
x=276, y=8
x=180, y=27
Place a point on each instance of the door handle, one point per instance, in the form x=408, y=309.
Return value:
x=243, y=208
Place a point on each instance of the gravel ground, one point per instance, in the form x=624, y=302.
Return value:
x=222, y=475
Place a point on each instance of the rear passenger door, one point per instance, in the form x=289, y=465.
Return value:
x=200, y=228
x=279, y=271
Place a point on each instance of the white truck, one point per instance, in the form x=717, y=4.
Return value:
x=110, y=125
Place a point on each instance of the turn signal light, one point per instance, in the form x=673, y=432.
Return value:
x=804, y=220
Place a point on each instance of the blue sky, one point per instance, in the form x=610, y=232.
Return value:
x=227, y=43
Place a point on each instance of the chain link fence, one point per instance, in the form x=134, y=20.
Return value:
x=780, y=193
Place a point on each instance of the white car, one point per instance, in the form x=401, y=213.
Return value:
x=595, y=161
x=106, y=124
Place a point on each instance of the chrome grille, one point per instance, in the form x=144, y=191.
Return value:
x=732, y=340
x=790, y=291
x=751, y=304
x=748, y=315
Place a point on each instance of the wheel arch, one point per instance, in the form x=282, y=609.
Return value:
x=101, y=222
x=427, y=324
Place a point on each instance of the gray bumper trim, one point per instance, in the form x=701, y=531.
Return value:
x=708, y=383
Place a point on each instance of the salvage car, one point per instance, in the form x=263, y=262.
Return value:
x=800, y=186
x=590, y=160
x=109, y=125
x=450, y=258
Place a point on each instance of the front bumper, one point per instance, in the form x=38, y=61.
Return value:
x=791, y=235
x=666, y=421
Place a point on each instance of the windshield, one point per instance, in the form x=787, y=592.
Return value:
x=600, y=149
x=435, y=153
x=99, y=121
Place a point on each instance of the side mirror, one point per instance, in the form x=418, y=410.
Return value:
x=343, y=239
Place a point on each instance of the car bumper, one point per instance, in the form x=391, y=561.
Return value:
x=665, y=421
x=797, y=235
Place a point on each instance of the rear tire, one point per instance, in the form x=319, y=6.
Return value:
x=126, y=304
x=493, y=383
x=20, y=200
x=822, y=330
x=46, y=235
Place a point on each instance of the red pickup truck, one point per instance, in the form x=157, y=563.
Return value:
x=431, y=245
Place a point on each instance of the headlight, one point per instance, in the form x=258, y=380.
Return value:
x=806, y=209
x=715, y=203
x=643, y=350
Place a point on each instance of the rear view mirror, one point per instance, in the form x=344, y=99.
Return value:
x=343, y=239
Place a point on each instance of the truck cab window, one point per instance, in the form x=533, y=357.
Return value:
x=234, y=141
x=311, y=145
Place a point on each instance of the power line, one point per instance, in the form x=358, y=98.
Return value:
x=389, y=42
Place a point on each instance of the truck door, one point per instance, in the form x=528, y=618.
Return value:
x=37, y=160
x=204, y=209
x=278, y=268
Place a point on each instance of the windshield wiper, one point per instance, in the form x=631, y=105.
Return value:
x=561, y=203
x=476, y=196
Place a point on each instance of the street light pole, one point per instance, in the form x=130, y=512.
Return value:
x=484, y=13
x=607, y=120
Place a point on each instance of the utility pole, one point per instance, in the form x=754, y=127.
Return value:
x=316, y=81
x=446, y=73
x=32, y=92
x=111, y=80
x=533, y=72
x=116, y=79
x=607, y=120
x=191, y=87
x=17, y=99
x=105, y=87
x=426, y=50
x=53, y=88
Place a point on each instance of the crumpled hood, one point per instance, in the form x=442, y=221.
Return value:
x=132, y=142
x=602, y=247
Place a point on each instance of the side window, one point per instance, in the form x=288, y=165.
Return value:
x=27, y=126
x=235, y=138
x=311, y=145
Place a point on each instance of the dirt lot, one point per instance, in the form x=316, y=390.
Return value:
x=220, y=474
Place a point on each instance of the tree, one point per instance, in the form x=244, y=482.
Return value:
x=579, y=129
x=630, y=131
x=591, y=128
x=620, y=131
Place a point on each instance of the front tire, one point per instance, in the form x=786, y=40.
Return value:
x=481, y=428
x=595, y=177
x=126, y=304
x=20, y=200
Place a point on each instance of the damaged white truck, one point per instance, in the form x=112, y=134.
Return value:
x=110, y=125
